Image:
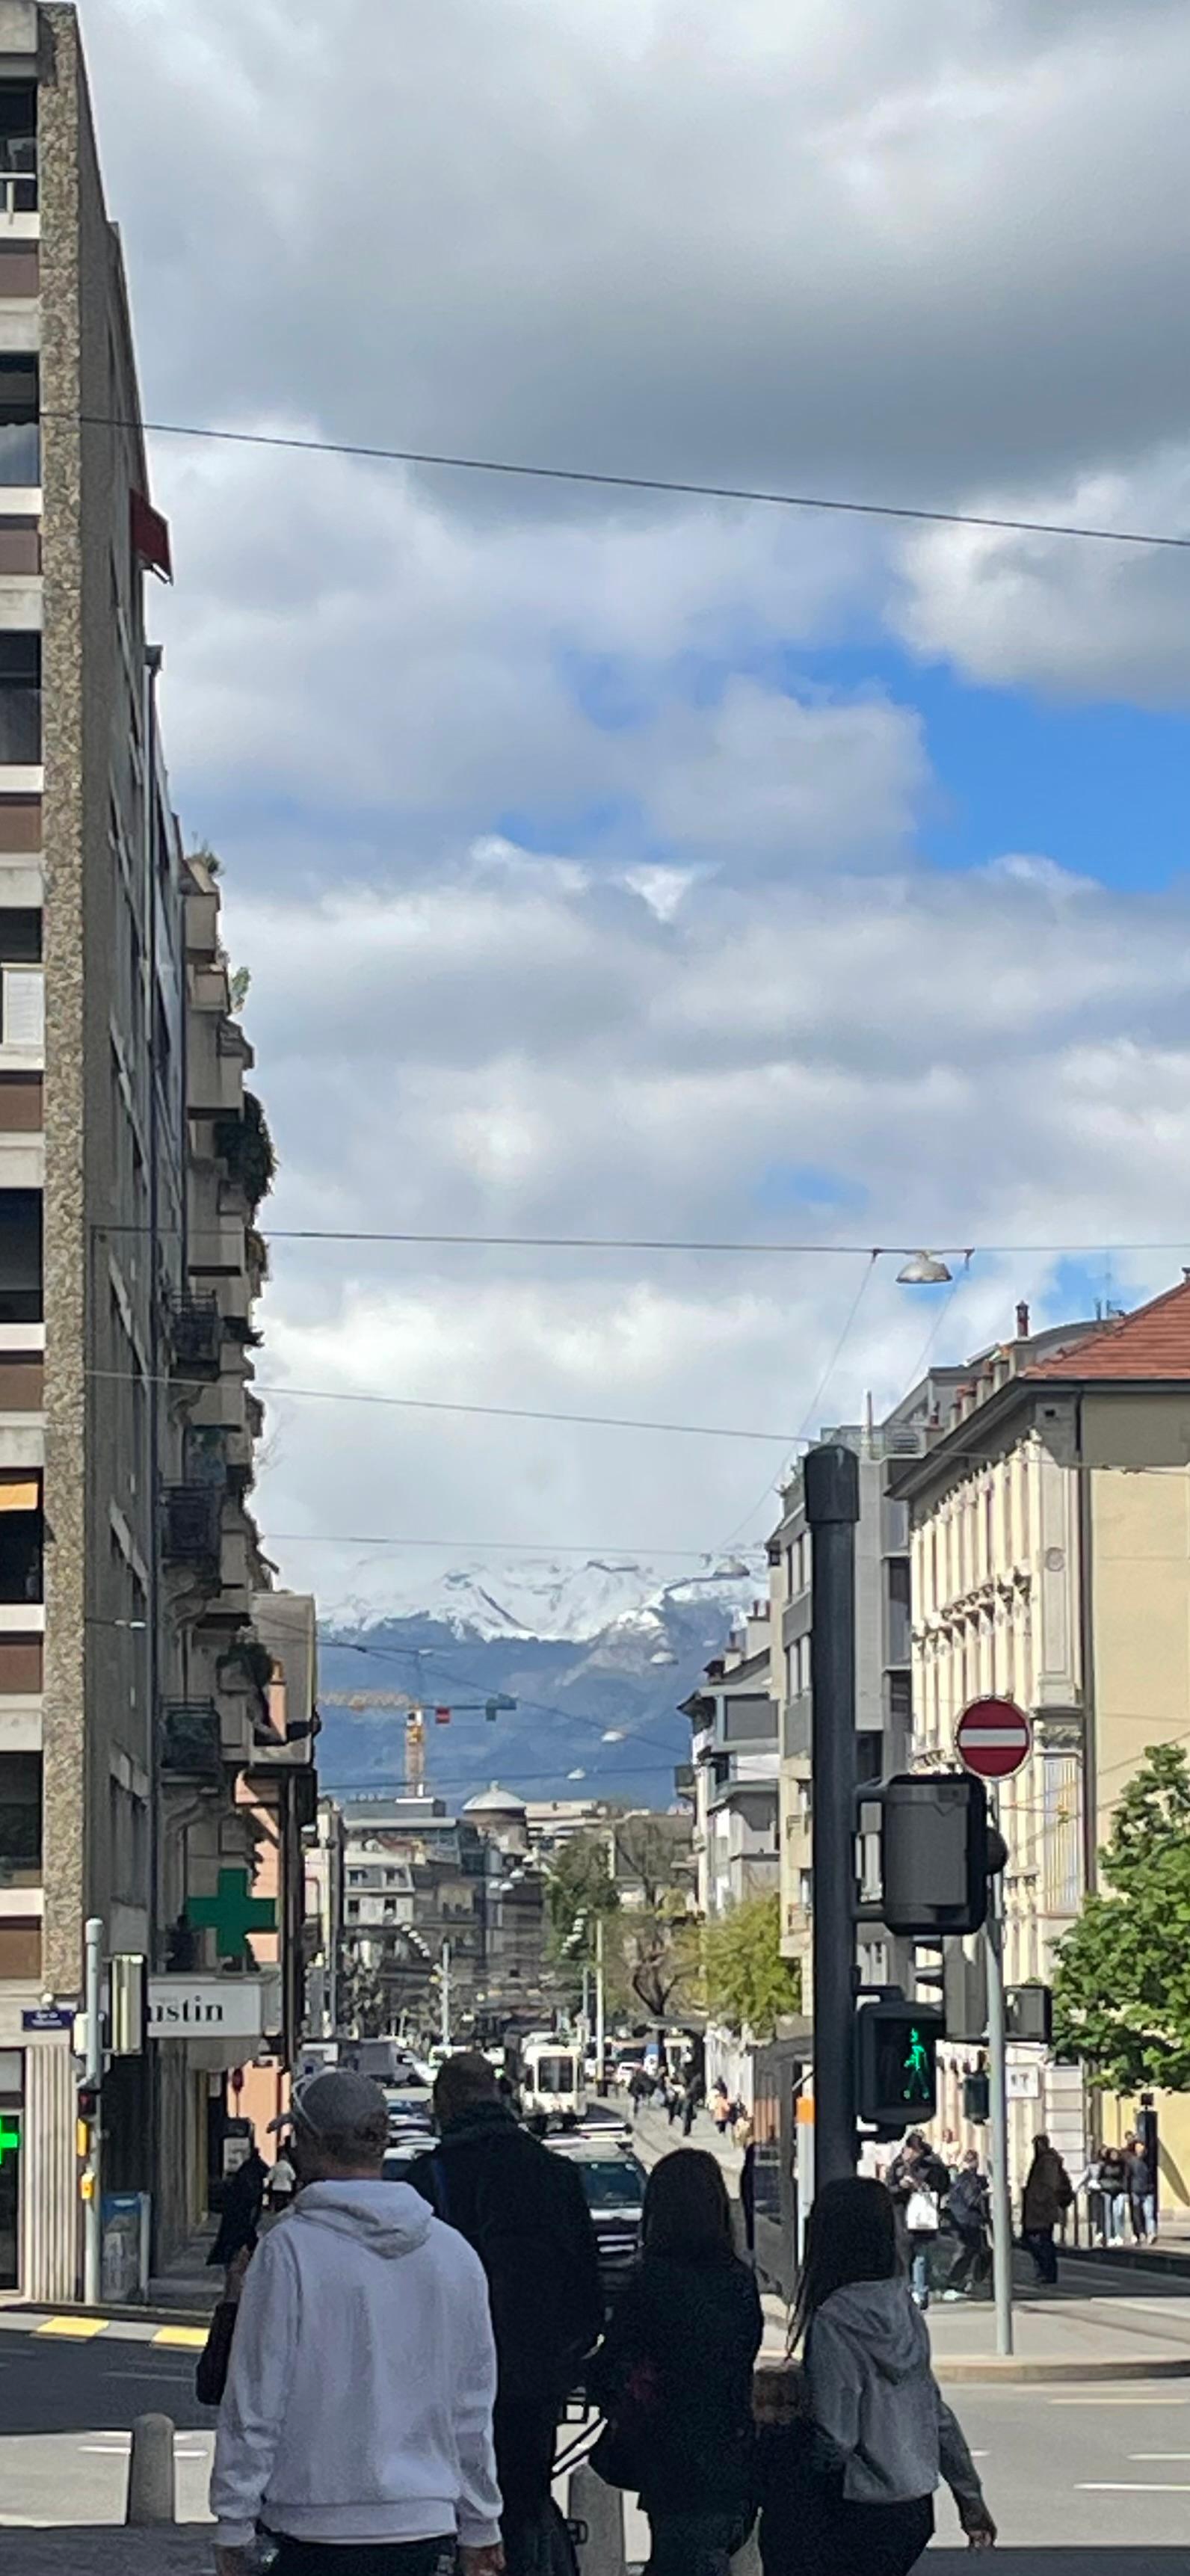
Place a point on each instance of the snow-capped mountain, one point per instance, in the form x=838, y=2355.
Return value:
x=597, y=1657
x=536, y=1596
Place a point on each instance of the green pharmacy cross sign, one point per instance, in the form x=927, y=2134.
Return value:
x=10, y=2135
x=232, y=1913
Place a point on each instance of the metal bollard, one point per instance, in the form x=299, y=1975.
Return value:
x=151, y=2488
x=602, y=2509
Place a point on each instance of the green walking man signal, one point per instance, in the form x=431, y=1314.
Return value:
x=896, y=2063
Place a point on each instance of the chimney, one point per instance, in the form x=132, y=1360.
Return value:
x=1022, y=1322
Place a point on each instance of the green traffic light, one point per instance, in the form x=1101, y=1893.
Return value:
x=916, y=2070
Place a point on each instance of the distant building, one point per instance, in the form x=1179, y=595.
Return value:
x=735, y=1758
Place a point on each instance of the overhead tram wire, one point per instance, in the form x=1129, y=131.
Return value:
x=819, y=1391
x=672, y=486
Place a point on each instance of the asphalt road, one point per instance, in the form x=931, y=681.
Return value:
x=65, y=2415
x=1103, y=2474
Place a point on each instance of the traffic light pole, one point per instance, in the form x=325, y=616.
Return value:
x=998, y=2109
x=92, y=2204
x=831, y=1476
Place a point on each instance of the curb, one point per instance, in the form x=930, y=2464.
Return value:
x=106, y=2313
x=1103, y=2258
x=1024, y=2372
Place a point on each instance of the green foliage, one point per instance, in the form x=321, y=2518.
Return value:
x=580, y=1883
x=747, y=1980
x=1122, y=1985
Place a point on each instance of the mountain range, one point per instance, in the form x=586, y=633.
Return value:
x=596, y=1656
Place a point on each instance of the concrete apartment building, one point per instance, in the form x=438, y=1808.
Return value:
x=133, y=1687
x=883, y=1659
x=1051, y=1563
x=731, y=1780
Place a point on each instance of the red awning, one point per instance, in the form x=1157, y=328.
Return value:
x=150, y=537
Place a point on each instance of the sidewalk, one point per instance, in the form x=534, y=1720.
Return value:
x=98, y=2550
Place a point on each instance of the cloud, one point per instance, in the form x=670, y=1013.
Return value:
x=652, y=238
x=1069, y=619
x=571, y=837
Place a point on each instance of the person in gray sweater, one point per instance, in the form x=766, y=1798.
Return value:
x=884, y=2440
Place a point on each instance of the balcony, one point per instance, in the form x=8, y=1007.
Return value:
x=196, y=1336
x=190, y=1745
x=193, y=1527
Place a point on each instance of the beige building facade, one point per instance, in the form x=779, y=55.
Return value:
x=1051, y=1565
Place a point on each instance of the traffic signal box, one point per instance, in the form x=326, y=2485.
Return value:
x=896, y=2064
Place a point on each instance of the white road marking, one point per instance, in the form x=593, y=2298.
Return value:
x=1123, y=2486
x=1151, y=2402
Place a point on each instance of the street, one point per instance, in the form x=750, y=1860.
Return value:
x=1093, y=2469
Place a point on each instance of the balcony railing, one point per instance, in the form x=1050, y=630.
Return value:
x=20, y=726
x=193, y=1526
x=190, y=1744
x=196, y=1333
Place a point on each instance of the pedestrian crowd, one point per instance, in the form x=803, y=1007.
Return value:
x=391, y=2358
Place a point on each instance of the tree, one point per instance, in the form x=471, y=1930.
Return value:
x=580, y=1883
x=747, y=1980
x=658, y=1955
x=1122, y=1985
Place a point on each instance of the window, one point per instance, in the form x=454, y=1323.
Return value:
x=353, y=1908
x=20, y=1819
x=21, y=1539
x=805, y=1890
x=20, y=438
x=20, y=1257
x=899, y=1630
x=20, y=698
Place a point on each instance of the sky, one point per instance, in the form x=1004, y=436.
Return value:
x=633, y=866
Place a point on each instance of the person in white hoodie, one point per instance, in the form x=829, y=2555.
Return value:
x=356, y=2424
x=885, y=2439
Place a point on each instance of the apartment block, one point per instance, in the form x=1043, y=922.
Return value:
x=731, y=1781
x=883, y=1660
x=1051, y=1563
x=134, y=1687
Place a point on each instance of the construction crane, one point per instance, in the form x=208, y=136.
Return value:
x=415, y=1721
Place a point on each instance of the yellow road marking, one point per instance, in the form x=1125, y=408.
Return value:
x=193, y=2337
x=79, y=2329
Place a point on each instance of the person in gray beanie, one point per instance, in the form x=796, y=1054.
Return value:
x=356, y=2423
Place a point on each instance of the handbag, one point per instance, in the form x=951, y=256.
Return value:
x=921, y=2214
x=624, y=2449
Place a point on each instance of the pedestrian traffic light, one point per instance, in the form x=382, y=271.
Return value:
x=937, y=1851
x=896, y=2063
x=1029, y=2014
x=977, y=2098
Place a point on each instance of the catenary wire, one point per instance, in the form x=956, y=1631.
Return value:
x=466, y=1681
x=437, y=1404
x=543, y=1547
x=678, y=488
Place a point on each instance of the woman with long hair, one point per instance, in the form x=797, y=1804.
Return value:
x=674, y=2373
x=883, y=2438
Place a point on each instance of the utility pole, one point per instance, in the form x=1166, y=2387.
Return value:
x=998, y=2118
x=831, y=1475
x=600, y=2008
x=93, y=2077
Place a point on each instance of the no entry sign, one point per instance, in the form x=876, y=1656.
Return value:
x=993, y=1738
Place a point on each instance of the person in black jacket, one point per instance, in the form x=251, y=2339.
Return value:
x=525, y=2212
x=674, y=2372
x=919, y=2183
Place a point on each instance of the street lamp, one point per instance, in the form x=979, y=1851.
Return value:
x=924, y=1270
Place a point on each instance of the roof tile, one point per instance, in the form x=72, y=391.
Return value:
x=1152, y=1342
